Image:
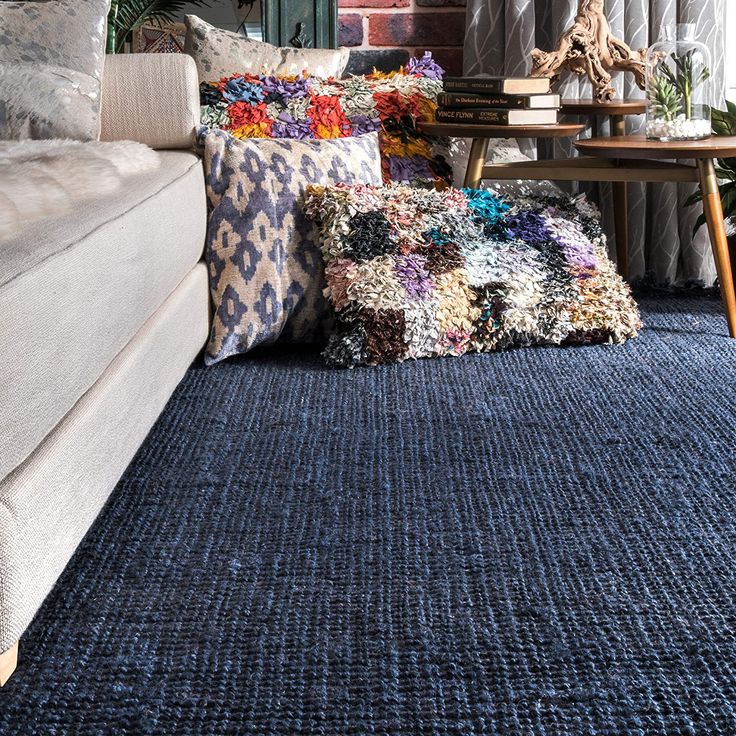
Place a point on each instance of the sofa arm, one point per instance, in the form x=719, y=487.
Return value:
x=150, y=98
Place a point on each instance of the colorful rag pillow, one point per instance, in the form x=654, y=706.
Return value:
x=414, y=273
x=51, y=59
x=217, y=52
x=301, y=107
x=266, y=272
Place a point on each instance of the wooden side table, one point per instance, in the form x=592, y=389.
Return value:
x=634, y=158
x=616, y=112
x=572, y=169
x=482, y=135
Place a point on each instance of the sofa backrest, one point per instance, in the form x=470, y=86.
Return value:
x=150, y=98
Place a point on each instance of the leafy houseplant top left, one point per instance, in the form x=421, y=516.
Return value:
x=127, y=15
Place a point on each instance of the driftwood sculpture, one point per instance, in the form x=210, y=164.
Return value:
x=589, y=47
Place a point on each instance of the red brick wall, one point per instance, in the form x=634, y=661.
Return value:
x=384, y=33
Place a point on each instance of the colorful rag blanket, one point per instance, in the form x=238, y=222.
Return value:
x=299, y=107
x=416, y=273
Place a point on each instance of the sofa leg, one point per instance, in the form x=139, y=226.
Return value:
x=8, y=663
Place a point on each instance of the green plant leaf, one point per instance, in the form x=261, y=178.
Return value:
x=727, y=165
x=723, y=122
x=133, y=13
x=664, y=98
x=728, y=198
x=694, y=198
x=698, y=224
x=663, y=70
x=727, y=192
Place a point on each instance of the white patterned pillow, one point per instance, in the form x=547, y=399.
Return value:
x=218, y=53
x=265, y=267
x=51, y=59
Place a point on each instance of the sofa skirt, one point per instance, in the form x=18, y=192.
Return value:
x=48, y=503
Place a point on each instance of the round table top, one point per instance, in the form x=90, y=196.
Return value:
x=589, y=106
x=460, y=130
x=637, y=146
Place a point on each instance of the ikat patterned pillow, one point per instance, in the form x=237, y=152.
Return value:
x=415, y=273
x=265, y=268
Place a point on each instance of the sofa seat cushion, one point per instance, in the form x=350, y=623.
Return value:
x=75, y=289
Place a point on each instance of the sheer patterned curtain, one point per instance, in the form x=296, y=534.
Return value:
x=500, y=34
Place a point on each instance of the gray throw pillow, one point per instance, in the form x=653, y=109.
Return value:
x=219, y=53
x=51, y=60
x=263, y=255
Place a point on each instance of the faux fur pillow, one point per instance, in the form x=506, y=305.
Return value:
x=413, y=273
x=40, y=179
x=218, y=53
x=266, y=273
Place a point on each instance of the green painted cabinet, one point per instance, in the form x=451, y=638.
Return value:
x=300, y=23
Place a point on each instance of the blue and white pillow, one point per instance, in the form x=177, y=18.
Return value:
x=265, y=267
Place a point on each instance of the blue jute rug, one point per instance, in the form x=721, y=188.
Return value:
x=535, y=542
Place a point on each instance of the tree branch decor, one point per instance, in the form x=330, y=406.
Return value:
x=589, y=48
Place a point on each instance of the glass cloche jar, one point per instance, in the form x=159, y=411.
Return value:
x=678, y=86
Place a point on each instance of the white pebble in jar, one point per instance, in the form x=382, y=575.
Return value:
x=678, y=129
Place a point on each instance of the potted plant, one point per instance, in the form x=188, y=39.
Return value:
x=724, y=123
x=127, y=15
x=677, y=74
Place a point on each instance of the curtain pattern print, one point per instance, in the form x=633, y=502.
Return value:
x=500, y=35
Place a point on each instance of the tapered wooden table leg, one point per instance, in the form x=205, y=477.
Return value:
x=621, y=207
x=719, y=242
x=621, y=222
x=8, y=663
x=476, y=160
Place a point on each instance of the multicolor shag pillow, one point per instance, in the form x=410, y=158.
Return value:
x=299, y=107
x=414, y=273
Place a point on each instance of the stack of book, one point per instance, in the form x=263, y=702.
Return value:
x=497, y=101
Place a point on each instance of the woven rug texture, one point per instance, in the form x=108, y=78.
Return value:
x=540, y=541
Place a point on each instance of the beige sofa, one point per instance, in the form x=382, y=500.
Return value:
x=101, y=313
